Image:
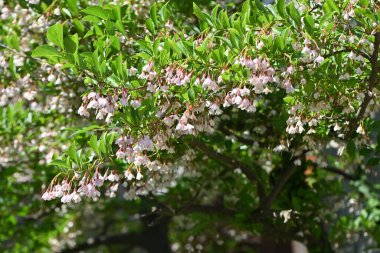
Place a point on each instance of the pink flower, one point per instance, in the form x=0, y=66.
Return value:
x=82, y=111
x=75, y=197
x=47, y=196
x=113, y=177
x=92, y=192
x=98, y=179
x=66, y=198
x=129, y=175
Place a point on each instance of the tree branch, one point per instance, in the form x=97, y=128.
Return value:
x=126, y=238
x=278, y=187
x=232, y=163
x=206, y=209
x=342, y=173
x=346, y=50
x=241, y=139
x=290, y=169
x=372, y=82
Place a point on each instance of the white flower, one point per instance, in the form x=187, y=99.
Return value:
x=285, y=214
x=260, y=45
x=66, y=198
x=47, y=196
x=135, y=103
x=83, y=189
x=132, y=71
x=98, y=179
x=139, y=176
x=279, y=148
x=75, y=197
x=360, y=130
x=92, y=192
x=358, y=71
x=51, y=78
x=92, y=95
x=337, y=127
x=266, y=91
x=319, y=60
x=141, y=160
x=83, y=112
x=120, y=154
x=65, y=186
x=92, y=105
x=102, y=102
x=129, y=175
x=113, y=177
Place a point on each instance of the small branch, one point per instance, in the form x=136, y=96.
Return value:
x=278, y=187
x=289, y=170
x=40, y=214
x=346, y=50
x=234, y=164
x=340, y=172
x=126, y=239
x=206, y=209
x=315, y=7
x=372, y=82
x=241, y=139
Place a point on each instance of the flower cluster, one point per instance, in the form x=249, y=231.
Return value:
x=261, y=74
x=132, y=151
x=176, y=76
x=87, y=187
x=104, y=106
x=240, y=98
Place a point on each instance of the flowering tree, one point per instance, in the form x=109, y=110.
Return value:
x=189, y=132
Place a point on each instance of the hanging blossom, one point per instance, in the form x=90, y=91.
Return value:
x=240, y=98
x=104, y=106
x=261, y=74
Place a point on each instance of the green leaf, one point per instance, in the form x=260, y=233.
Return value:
x=198, y=12
x=45, y=51
x=173, y=46
x=150, y=25
x=246, y=8
x=289, y=100
x=364, y=3
x=153, y=13
x=79, y=26
x=330, y=6
x=94, y=144
x=373, y=161
x=88, y=129
x=102, y=143
x=72, y=152
x=279, y=43
x=309, y=24
x=223, y=17
x=59, y=163
x=294, y=14
x=96, y=11
x=192, y=94
x=281, y=8
x=71, y=43
x=55, y=35
x=73, y=7
x=164, y=13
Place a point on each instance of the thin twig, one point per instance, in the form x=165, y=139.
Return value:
x=233, y=163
